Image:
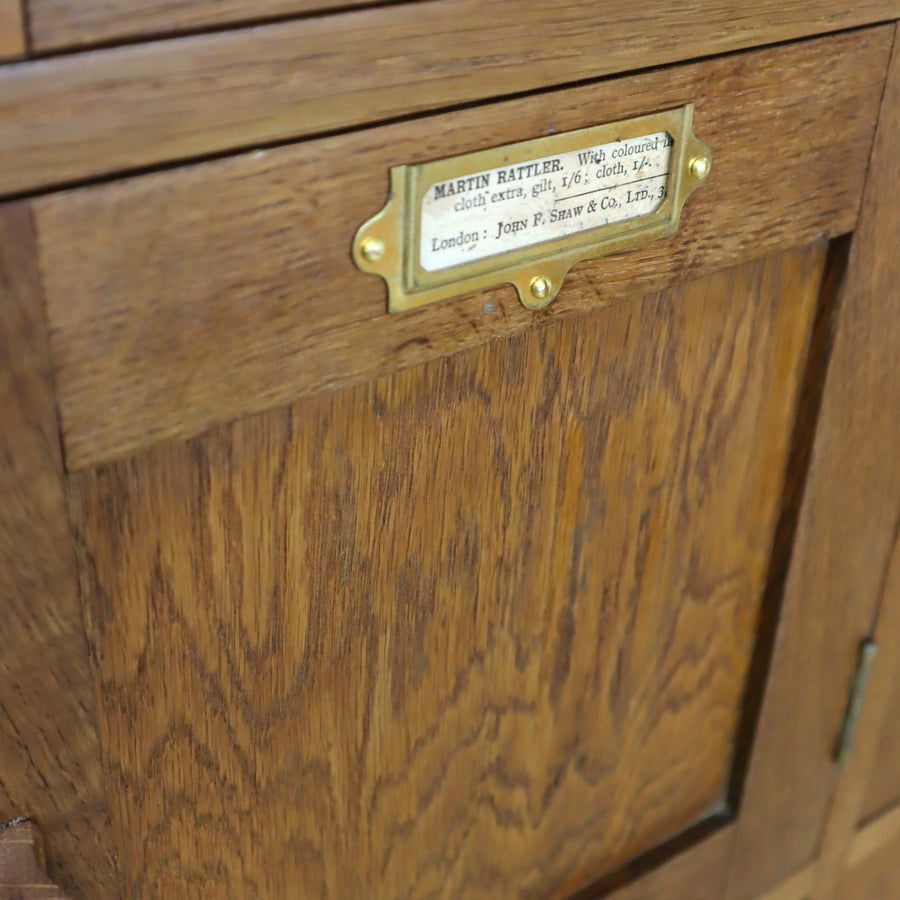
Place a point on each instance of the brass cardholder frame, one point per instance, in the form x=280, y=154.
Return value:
x=388, y=243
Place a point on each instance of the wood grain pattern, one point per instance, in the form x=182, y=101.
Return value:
x=21, y=877
x=477, y=624
x=700, y=26
x=49, y=757
x=844, y=540
x=70, y=118
x=59, y=24
x=13, y=41
x=190, y=297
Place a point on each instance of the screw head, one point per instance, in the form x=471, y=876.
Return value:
x=700, y=167
x=540, y=287
x=372, y=249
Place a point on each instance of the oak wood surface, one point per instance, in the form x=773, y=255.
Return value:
x=880, y=832
x=847, y=806
x=58, y=24
x=875, y=877
x=868, y=841
x=80, y=116
x=189, y=297
x=844, y=540
x=485, y=622
x=883, y=787
x=12, y=30
x=795, y=887
x=700, y=26
x=49, y=756
x=694, y=873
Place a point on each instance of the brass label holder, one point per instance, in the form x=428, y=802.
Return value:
x=525, y=213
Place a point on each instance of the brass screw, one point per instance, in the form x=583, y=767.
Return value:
x=540, y=287
x=372, y=249
x=700, y=167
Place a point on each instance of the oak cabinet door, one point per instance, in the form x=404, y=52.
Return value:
x=470, y=602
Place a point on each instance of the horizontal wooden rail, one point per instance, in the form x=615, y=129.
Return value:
x=71, y=118
x=13, y=41
x=64, y=24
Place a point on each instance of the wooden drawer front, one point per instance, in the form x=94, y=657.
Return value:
x=189, y=297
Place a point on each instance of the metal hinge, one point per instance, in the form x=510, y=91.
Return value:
x=858, y=685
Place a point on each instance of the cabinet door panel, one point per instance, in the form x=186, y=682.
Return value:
x=476, y=628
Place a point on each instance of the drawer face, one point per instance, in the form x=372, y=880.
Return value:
x=478, y=628
x=188, y=297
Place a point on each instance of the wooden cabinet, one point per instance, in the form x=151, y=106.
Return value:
x=309, y=600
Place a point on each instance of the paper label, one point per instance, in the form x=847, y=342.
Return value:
x=525, y=203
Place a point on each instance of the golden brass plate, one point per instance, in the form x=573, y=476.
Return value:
x=527, y=212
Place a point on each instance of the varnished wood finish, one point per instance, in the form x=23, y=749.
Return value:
x=845, y=537
x=12, y=30
x=58, y=24
x=883, y=787
x=21, y=878
x=481, y=623
x=875, y=876
x=869, y=841
x=49, y=756
x=871, y=838
x=480, y=29
x=796, y=887
x=229, y=287
x=694, y=873
x=74, y=117
x=847, y=805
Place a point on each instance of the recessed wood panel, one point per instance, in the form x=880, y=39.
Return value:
x=187, y=298
x=480, y=625
x=49, y=755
